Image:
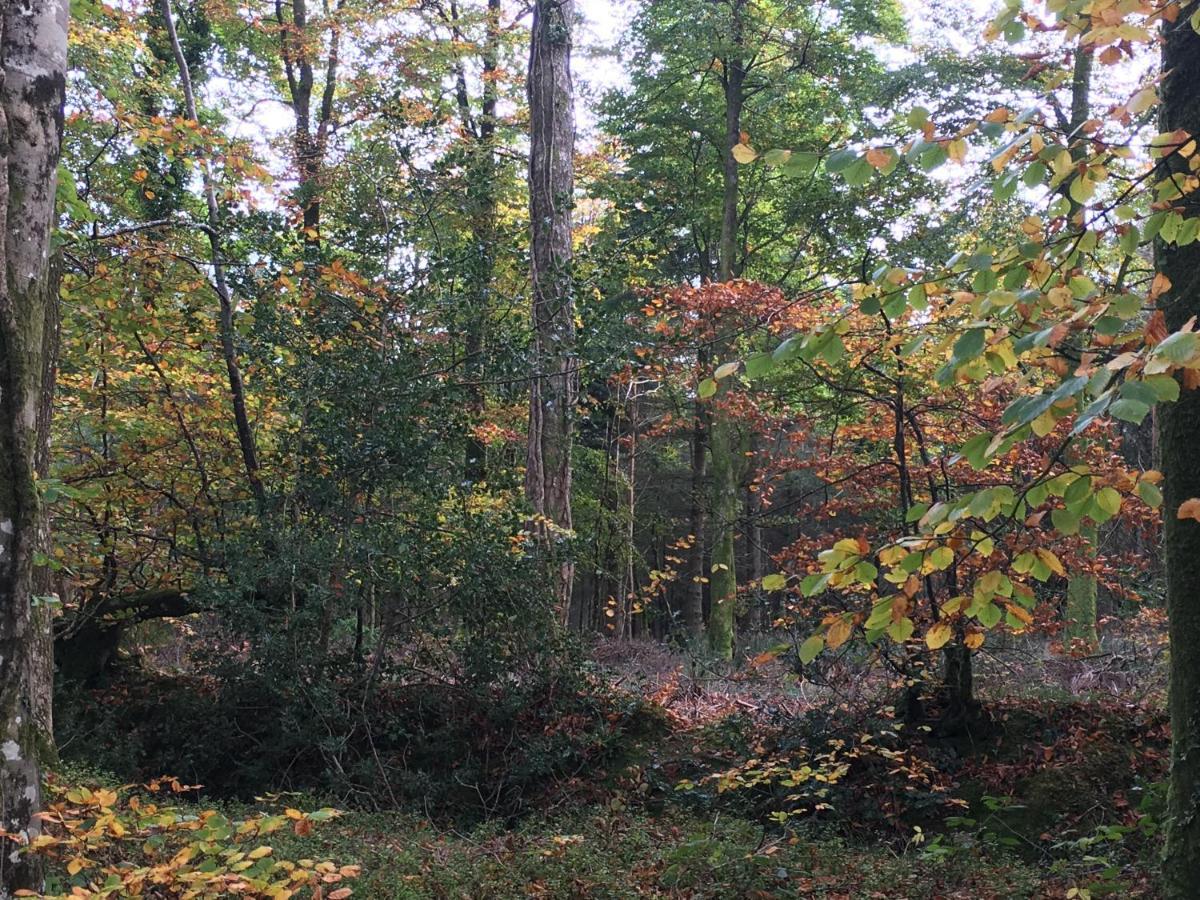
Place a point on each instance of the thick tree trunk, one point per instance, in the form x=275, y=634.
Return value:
x=554, y=385
x=726, y=498
x=1179, y=432
x=33, y=46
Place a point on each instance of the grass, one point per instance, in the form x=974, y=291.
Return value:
x=618, y=853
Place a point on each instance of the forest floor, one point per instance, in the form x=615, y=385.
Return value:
x=761, y=785
x=1060, y=800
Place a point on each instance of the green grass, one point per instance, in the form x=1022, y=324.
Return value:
x=615, y=853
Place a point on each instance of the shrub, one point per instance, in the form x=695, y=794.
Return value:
x=132, y=841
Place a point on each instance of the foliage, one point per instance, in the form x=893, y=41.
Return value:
x=135, y=841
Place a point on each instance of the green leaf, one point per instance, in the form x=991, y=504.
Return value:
x=774, y=582
x=1129, y=410
x=759, y=365
x=969, y=345
x=989, y=615
x=1065, y=521
x=811, y=648
x=840, y=160
x=814, y=584
x=1150, y=494
x=901, y=631
x=858, y=173
x=1109, y=500
x=941, y=558
x=708, y=387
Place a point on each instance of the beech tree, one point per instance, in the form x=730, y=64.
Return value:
x=33, y=61
x=1178, y=435
x=554, y=385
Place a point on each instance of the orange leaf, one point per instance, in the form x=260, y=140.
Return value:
x=1190, y=509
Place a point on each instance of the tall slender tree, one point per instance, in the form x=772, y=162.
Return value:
x=1179, y=429
x=33, y=62
x=554, y=385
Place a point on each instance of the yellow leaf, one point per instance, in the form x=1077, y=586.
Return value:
x=939, y=635
x=838, y=634
x=1023, y=614
x=744, y=153
x=1142, y=100
x=974, y=640
x=259, y=852
x=1051, y=561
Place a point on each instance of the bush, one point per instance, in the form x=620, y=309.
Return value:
x=133, y=841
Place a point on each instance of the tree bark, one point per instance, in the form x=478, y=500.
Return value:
x=481, y=190
x=237, y=388
x=1082, y=588
x=693, y=608
x=1179, y=432
x=554, y=385
x=726, y=500
x=33, y=46
x=308, y=146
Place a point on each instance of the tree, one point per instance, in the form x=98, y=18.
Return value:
x=33, y=47
x=554, y=384
x=1178, y=435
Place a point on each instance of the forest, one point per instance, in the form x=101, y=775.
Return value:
x=600, y=449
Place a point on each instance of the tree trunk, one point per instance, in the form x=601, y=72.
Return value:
x=33, y=45
x=726, y=499
x=693, y=603
x=237, y=389
x=554, y=385
x=481, y=267
x=1179, y=432
x=308, y=147
x=1082, y=588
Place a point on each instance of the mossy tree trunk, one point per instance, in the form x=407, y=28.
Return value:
x=1179, y=435
x=33, y=47
x=1082, y=592
x=724, y=443
x=1082, y=587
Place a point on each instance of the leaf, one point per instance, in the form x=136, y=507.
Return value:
x=724, y=371
x=744, y=153
x=774, y=582
x=1052, y=562
x=940, y=558
x=838, y=633
x=811, y=648
x=708, y=387
x=939, y=635
x=759, y=365
x=989, y=615
x=900, y=631
x=1142, y=100
x=969, y=345
x=974, y=640
x=1150, y=494
x=1189, y=509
